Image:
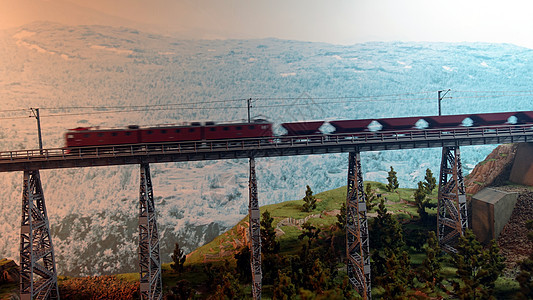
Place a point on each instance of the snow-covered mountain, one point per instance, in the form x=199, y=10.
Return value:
x=93, y=211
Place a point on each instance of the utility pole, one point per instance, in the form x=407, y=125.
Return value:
x=440, y=100
x=35, y=112
x=249, y=106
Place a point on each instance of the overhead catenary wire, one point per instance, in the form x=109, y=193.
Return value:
x=258, y=104
x=220, y=101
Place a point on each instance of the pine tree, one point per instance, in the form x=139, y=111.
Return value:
x=393, y=180
x=430, y=270
x=283, y=287
x=341, y=217
x=398, y=277
x=243, y=264
x=269, y=245
x=309, y=200
x=228, y=289
x=477, y=269
x=386, y=239
x=422, y=202
x=430, y=183
x=386, y=231
x=309, y=231
x=370, y=197
x=178, y=257
x=319, y=277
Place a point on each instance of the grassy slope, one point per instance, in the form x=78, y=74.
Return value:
x=328, y=205
x=329, y=202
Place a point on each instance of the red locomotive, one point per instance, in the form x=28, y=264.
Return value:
x=88, y=136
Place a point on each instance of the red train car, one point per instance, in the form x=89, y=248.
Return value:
x=445, y=121
x=351, y=126
x=90, y=136
x=303, y=128
x=398, y=123
x=258, y=128
x=492, y=118
x=171, y=134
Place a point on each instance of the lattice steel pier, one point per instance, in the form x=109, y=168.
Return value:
x=452, y=219
x=149, y=259
x=357, y=239
x=38, y=277
x=255, y=235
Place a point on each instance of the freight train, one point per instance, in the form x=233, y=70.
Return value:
x=260, y=128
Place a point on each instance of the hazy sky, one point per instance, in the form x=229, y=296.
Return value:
x=332, y=21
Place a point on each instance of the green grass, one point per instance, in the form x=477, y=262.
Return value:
x=129, y=277
x=327, y=202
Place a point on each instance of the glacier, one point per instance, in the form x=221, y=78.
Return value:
x=93, y=211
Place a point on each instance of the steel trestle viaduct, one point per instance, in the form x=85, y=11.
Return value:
x=37, y=264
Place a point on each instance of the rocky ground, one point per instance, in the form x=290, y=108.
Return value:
x=513, y=240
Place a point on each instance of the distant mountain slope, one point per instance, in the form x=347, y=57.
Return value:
x=93, y=210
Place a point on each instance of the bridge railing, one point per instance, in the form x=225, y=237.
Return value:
x=262, y=143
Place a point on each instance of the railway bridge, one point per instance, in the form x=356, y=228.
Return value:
x=37, y=264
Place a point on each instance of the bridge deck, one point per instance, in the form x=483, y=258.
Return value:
x=260, y=147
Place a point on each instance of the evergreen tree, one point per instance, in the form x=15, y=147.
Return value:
x=341, y=217
x=228, y=289
x=178, y=257
x=430, y=182
x=370, y=197
x=477, y=269
x=386, y=231
x=283, y=287
x=387, y=249
x=398, y=277
x=430, y=270
x=422, y=202
x=309, y=231
x=525, y=277
x=243, y=264
x=309, y=200
x=393, y=180
x=319, y=277
x=181, y=291
x=269, y=244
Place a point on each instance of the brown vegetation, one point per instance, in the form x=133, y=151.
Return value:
x=98, y=288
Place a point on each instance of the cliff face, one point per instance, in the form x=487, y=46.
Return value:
x=494, y=170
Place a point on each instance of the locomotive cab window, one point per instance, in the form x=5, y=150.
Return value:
x=128, y=133
x=213, y=129
x=238, y=127
x=100, y=134
x=114, y=133
x=251, y=127
x=226, y=128
x=191, y=130
x=149, y=132
x=178, y=130
x=164, y=131
x=86, y=135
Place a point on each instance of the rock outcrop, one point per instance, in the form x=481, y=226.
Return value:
x=493, y=171
x=9, y=271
